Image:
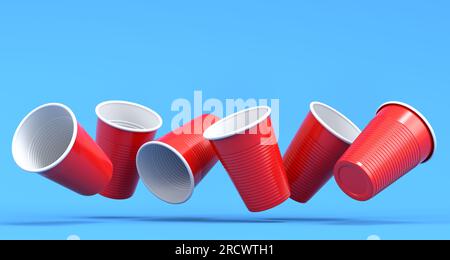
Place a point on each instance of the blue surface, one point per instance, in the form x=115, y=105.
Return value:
x=352, y=55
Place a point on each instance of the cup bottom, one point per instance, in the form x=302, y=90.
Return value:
x=354, y=181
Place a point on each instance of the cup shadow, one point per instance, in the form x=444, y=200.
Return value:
x=53, y=223
x=243, y=220
x=345, y=221
x=90, y=220
x=193, y=219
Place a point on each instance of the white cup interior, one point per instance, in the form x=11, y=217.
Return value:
x=128, y=116
x=335, y=122
x=165, y=172
x=237, y=123
x=44, y=138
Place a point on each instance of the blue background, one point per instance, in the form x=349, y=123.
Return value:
x=353, y=55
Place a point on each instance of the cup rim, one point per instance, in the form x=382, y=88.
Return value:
x=329, y=128
x=133, y=130
x=421, y=116
x=66, y=152
x=183, y=160
x=209, y=133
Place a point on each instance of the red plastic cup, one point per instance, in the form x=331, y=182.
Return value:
x=397, y=140
x=122, y=128
x=49, y=141
x=246, y=145
x=321, y=140
x=174, y=165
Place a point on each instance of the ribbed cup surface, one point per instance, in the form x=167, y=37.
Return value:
x=308, y=166
x=386, y=150
x=125, y=176
x=259, y=176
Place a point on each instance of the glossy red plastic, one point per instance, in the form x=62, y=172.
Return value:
x=86, y=169
x=195, y=149
x=121, y=142
x=194, y=158
x=253, y=160
x=80, y=164
x=397, y=140
x=311, y=156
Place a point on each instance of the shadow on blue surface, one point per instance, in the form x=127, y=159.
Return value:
x=86, y=220
x=181, y=219
x=345, y=221
x=49, y=223
x=310, y=220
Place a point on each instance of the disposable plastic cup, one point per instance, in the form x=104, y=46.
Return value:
x=50, y=141
x=246, y=145
x=396, y=141
x=172, y=166
x=322, y=139
x=122, y=128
